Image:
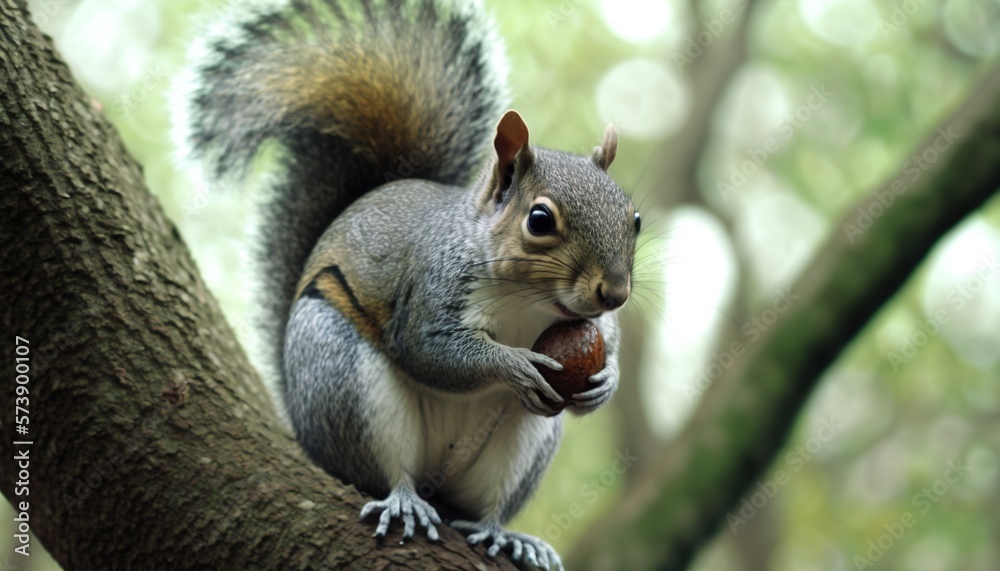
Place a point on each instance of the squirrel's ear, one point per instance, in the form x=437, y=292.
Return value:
x=511, y=140
x=605, y=154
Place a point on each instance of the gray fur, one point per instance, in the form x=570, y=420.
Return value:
x=322, y=347
x=527, y=486
x=387, y=411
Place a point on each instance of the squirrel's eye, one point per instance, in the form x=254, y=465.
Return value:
x=540, y=220
x=638, y=223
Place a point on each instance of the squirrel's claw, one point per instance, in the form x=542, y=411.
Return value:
x=403, y=503
x=603, y=385
x=531, y=386
x=523, y=548
x=535, y=405
x=601, y=376
x=543, y=359
x=593, y=398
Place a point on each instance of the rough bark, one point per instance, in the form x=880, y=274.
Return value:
x=745, y=416
x=154, y=442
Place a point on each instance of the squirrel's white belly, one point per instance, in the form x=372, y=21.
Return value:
x=475, y=449
x=472, y=450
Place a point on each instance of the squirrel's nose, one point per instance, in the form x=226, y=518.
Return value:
x=612, y=297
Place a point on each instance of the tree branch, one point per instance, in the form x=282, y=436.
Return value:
x=154, y=443
x=745, y=417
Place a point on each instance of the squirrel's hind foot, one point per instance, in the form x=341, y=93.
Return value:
x=405, y=504
x=524, y=549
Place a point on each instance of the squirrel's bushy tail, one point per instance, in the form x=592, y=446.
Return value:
x=355, y=93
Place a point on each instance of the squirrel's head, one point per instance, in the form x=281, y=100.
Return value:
x=559, y=223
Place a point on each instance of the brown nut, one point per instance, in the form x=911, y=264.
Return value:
x=579, y=347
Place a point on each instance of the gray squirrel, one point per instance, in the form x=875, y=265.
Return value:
x=403, y=289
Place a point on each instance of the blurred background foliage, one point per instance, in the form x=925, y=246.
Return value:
x=828, y=99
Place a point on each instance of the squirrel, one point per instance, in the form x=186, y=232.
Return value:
x=413, y=245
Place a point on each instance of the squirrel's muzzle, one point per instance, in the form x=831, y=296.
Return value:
x=612, y=294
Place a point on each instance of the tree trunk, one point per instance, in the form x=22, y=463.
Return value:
x=153, y=443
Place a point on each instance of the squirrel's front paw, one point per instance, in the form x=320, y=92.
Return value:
x=604, y=384
x=403, y=503
x=530, y=386
x=524, y=549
